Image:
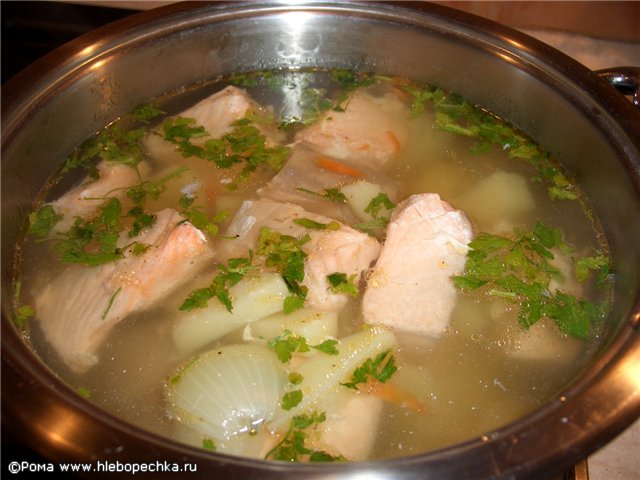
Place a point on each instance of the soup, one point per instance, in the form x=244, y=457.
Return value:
x=313, y=266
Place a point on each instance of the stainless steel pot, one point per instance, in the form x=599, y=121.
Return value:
x=592, y=129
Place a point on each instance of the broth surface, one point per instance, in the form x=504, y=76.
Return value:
x=485, y=371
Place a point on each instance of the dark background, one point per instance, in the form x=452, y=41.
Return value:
x=32, y=29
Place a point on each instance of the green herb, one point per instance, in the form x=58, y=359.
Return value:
x=313, y=225
x=288, y=343
x=285, y=254
x=245, y=144
x=519, y=270
x=21, y=315
x=198, y=218
x=374, y=208
x=93, y=242
x=348, y=80
x=42, y=221
x=381, y=368
x=146, y=112
x=597, y=263
x=295, y=378
x=340, y=283
x=109, y=305
x=292, y=446
x=331, y=194
x=455, y=115
x=291, y=399
x=328, y=347
x=84, y=392
x=228, y=276
x=419, y=96
x=176, y=377
x=208, y=444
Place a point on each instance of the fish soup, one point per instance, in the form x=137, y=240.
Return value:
x=314, y=266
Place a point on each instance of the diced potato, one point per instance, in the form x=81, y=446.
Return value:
x=253, y=298
x=502, y=195
x=315, y=326
x=359, y=195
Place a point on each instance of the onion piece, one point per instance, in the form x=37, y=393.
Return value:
x=315, y=326
x=227, y=394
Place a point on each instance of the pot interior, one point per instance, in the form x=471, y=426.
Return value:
x=584, y=124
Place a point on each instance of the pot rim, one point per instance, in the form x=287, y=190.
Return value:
x=508, y=440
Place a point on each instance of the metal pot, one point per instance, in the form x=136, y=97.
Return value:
x=591, y=128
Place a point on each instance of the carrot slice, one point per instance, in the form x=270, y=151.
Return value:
x=394, y=140
x=393, y=394
x=337, y=167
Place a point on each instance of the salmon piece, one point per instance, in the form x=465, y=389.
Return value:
x=369, y=132
x=410, y=289
x=344, y=250
x=78, y=309
x=216, y=114
x=302, y=174
x=351, y=426
x=85, y=199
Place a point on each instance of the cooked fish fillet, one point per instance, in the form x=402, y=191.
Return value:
x=78, y=309
x=410, y=289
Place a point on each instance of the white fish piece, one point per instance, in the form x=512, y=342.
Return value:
x=369, y=132
x=410, y=289
x=351, y=426
x=302, y=175
x=329, y=251
x=78, y=309
x=216, y=114
x=85, y=199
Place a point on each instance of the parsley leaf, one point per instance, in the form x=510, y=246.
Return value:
x=22, y=314
x=208, y=444
x=381, y=368
x=331, y=194
x=285, y=253
x=43, y=220
x=291, y=399
x=519, y=270
x=288, y=343
x=313, y=225
x=292, y=446
x=340, y=283
x=228, y=276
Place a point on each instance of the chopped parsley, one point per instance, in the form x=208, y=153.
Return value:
x=380, y=216
x=313, y=225
x=380, y=368
x=198, y=218
x=292, y=446
x=245, y=145
x=331, y=194
x=42, y=221
x=84, y=392
x=288, y=343
x=208, y=444
x=285, y=254
x=228, y=276
x=340, y=283
x=291, y=399
x=519, y=270
x=22, y=314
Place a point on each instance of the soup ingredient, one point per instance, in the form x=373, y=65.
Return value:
x=368, y=132
x=86, y=199
x=316, y=326
x=519, y=269
x=227, y=394
x=79, y=308
x=253, y=298
x=327, y=251
x=323, y=374
x=410, y=289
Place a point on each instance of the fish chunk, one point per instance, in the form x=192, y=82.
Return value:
x=216, y=114
x=369, y=132
x=85, y=199
x=302, y=175
x=77, y=310
x=351, y=425
x=329, y=251
x=410, y=289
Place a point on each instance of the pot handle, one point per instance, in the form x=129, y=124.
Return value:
x=625, y=79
